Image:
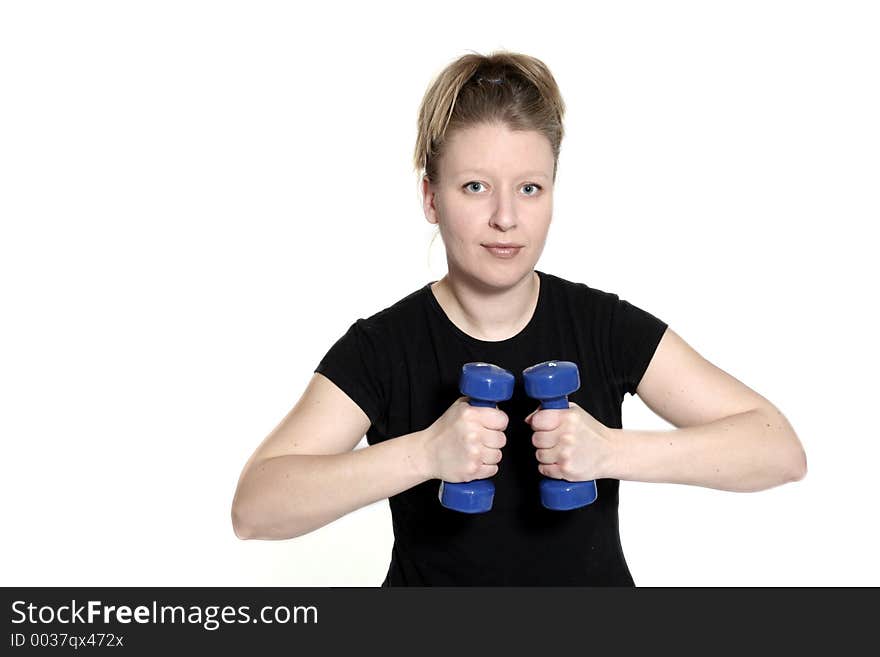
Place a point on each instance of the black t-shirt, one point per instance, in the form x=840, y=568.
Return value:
x=402, y=367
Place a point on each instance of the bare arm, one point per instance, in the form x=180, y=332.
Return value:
x=727, y=435
x=305, y=475
x=750, y=451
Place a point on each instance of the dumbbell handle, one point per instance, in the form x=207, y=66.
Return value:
x=482, y=402
x=551, y=382
x=474, y=496
x=561, y=494
x=478, y=381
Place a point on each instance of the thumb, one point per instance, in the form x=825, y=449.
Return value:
x=529, y=416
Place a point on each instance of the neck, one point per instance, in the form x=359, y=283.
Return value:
x=488, y=313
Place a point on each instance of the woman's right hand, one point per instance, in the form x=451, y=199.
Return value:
x=465, y=442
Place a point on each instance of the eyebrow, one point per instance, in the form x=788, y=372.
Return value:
x=527, y=174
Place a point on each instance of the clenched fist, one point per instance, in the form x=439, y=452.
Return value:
x=571, y=444
x=465, y=442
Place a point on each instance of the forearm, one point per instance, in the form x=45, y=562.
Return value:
x=288, y=496
x=746, y=452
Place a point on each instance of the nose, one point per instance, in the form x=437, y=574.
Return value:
x=504, y=216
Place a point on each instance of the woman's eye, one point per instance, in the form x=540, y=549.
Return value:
x=535, y=188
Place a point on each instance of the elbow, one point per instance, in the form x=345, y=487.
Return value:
x=798, y=456
x=244, y=523
x=250, y=526
x=801, y=470
x=245, y=513
x=239, y=523
x=797, y=465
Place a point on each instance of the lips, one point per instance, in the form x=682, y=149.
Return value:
x=501, y=250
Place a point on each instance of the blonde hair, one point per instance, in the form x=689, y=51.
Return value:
x=505, y=87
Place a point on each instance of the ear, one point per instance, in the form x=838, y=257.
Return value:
x=428, y=201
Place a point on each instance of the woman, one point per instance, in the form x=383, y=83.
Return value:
x=489, y=134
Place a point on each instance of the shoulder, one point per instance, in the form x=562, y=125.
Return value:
x=374, y=339
x=395, y=316
x=579, y=293
x=606, y=313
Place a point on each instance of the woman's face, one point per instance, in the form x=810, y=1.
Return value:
x=495, y=187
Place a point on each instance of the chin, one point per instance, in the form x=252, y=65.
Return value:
x=505, y=275
x=498, y=274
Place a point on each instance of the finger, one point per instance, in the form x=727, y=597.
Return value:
x=544, y=439
x=550, y=470
x=493, y=418
x=546, y=419
x=495, y=439
x=487, y=471
x=491, y=456
x=546, y=456
x=529, y=416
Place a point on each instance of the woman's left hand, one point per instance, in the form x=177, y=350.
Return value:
x=571, y=444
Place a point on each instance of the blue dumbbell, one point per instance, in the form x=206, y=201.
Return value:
x=551, y=382
x=484, y=385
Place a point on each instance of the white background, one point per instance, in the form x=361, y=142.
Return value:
x=198, y=198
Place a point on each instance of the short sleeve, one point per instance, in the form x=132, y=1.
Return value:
x=356, y=364
x=635, y=334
